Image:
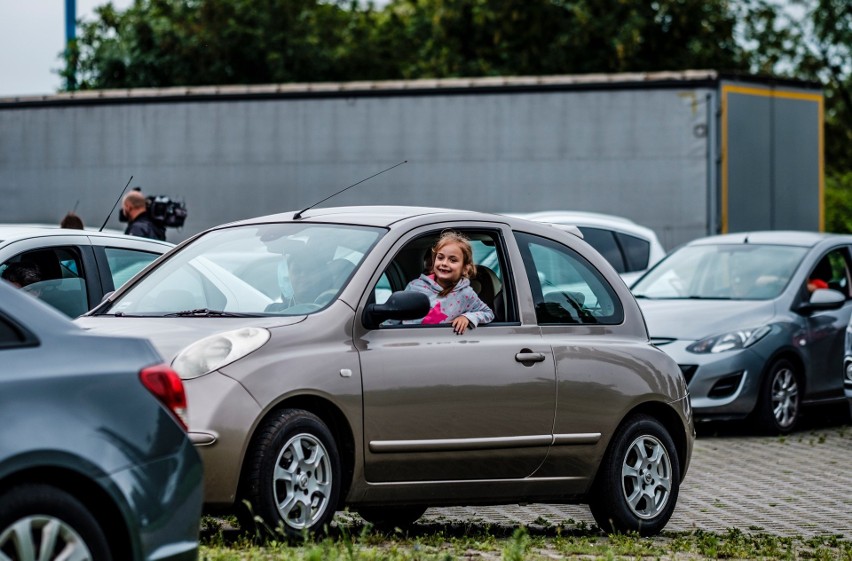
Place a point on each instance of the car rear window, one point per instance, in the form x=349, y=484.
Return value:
x=637, y=251
x=604, y=241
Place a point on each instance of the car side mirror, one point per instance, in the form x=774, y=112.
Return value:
x=399, y=306
x=822, y=299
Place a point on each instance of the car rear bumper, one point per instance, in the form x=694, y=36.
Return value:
x=163, y=521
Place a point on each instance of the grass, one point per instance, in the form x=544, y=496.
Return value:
x=352, y=541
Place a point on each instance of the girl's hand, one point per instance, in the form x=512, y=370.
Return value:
x=460, y=325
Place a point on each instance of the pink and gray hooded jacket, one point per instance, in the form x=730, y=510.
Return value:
x=462, y=300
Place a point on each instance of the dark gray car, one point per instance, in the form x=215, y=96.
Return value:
x=756, y=322
x=95, y=463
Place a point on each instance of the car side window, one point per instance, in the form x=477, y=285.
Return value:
x=604, y=241
x=488, y=283
x=124, y=263
x=62, y=282
x=832, y=271
x=566, y=288
x=637, y=252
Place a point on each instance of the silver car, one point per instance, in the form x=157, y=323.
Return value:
x=76, y=267
x=304, y=398
x=756, y=322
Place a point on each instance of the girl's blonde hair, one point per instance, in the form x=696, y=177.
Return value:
x=468, y=267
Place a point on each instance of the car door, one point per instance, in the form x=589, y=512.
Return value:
x=441, y=406
x=827, y=329
x=66, y=267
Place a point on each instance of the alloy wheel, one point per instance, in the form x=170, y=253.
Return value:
x=41, y=538
x=646, y=476
x=785, y=397
x=302, y=481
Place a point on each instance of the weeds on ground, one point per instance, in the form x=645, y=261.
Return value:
x=483, y=542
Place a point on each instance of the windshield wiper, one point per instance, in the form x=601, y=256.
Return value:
x=207, y=313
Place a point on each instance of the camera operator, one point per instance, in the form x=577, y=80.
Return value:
x=140, y=223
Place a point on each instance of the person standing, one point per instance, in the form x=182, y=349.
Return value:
x=72, y=221
x=139, y=222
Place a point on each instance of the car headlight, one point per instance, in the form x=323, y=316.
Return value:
x=216, y=351
x=730, y=341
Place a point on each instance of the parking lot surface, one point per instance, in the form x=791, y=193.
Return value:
x=798, y=485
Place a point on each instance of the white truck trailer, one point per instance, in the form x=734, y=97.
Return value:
x=686, y=153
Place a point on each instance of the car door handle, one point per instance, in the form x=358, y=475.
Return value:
x=527, y=356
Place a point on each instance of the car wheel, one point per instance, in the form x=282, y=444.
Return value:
x=779, y=401
x=638, y=481
x=387, y=518
x=293, y=477
x=42, y=522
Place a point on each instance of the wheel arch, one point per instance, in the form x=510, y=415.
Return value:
x=795, y=359
x=332, y=416
x=670, y=420
x=94, y=497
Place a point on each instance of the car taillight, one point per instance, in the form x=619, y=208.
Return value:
x=166, y=386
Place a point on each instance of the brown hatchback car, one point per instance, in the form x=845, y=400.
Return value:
x=307, y=396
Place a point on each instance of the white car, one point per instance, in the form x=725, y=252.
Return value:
x=76, y=267
x=630, y=248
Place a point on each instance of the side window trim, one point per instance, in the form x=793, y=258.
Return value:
x=25, y=337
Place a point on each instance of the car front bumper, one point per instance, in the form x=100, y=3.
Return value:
x=721, y=385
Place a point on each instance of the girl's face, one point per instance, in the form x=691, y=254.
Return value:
x=449, y=264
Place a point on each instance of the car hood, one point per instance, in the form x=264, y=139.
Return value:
x=172, y=335
x=695, y=319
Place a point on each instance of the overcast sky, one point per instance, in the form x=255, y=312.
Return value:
x=32, y=36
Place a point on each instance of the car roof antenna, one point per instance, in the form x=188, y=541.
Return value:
x=116, y=204
x=298, y=215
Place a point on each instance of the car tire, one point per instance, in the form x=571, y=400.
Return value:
x=388, y=518
x=779, y=403
x=638, y=482
x=293, y=476
x=33, y=516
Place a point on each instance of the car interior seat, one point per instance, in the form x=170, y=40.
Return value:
x=489, y=289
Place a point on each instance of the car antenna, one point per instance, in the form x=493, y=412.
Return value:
x=116, y=204
x=298, y=215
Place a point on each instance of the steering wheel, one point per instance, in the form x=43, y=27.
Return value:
x=325, y=297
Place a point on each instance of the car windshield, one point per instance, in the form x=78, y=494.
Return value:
x=722, y=272
x=265, y=269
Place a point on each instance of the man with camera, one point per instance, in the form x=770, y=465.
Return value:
x=139, y=222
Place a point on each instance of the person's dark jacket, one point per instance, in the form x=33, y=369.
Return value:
x=144, y=227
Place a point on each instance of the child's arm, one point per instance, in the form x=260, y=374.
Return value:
x=478, y=311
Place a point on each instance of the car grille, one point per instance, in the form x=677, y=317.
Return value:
x=688, y=371
x=726, y=386
x=660, y=341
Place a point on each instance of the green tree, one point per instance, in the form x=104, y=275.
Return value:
x=451, y=38
x=160, y=43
